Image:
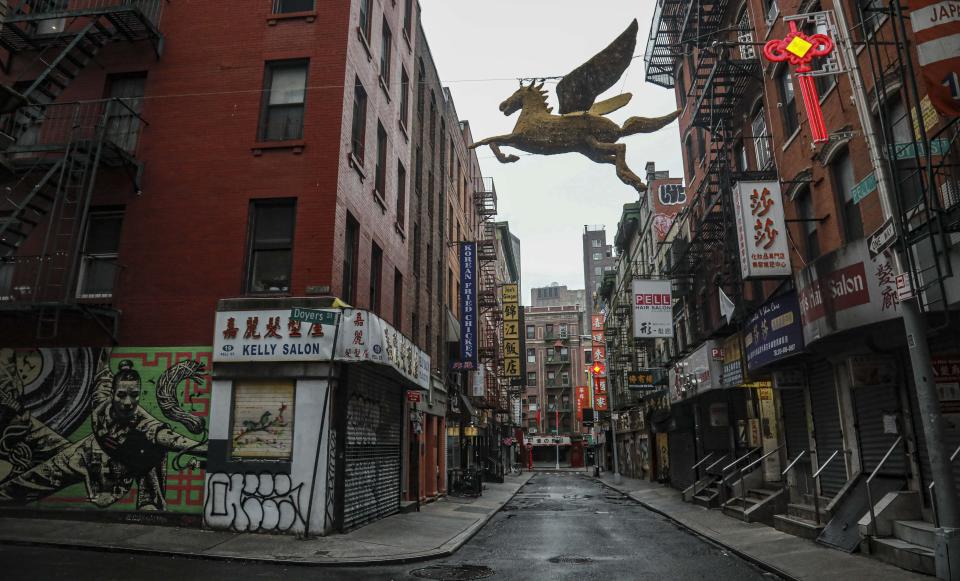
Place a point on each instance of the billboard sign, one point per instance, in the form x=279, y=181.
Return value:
x=761, y=230
x=652, y=309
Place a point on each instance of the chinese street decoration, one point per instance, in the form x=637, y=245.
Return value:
x=511, y=336
x=581, y=125
x=761, y=230
x=799, y=49
x=468, y=307
x=599, y=367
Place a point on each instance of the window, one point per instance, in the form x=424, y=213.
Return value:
x=351, y=250
x=761, y=141
x=823, y=82
x=531, y=332
x=771, y=9
x=123, y=128
x=701, y=144
x=740, y=157
x=808, y=214
x=397, y=298
x=588, y=356
x=532, y=382
x=408, y=18
x=564, y=378
x=376, y=277
x=598, y=270
x=688, y=149
x=450, y=220
x=745, y=36
x=871, y=15
x=548, y=332
x=531, y=355
x=359, y=131
x=842, y=170
x=788, y=102
x=416, y=249
x=285, y=91
x=681, y=88
x=404, y=97
x=595, y=243
x=98, y=266
x=401, y=196
x=256, y=402
x=551, y=378
x=288, y=6
x=366, y=19
x=386, y=48
x=899, y=124
x=421, y=81
x=270, y=258
x=51, y=25
x=597, y=256
x=380, y=180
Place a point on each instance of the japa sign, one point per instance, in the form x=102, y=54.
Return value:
x=761, y=230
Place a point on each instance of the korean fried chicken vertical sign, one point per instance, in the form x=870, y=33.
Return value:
x=761, y=230
x=652, y=309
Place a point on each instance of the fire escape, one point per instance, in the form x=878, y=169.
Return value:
x=727, y=68
x=923, y=159
x=488, y=301
x=52, y=153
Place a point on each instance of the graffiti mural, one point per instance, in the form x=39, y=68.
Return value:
x=94, y=428
x=253, y=502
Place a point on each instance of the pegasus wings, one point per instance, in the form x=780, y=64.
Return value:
x=578, y=90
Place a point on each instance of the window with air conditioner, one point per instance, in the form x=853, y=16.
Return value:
x=290, y=6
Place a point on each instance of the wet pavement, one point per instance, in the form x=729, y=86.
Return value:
x=558, y=527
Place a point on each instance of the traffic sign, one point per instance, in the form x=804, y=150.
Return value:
x=882, y=238
x=413, y=396
x=313, y=316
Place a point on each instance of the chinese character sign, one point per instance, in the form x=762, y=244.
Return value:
x=601, y=399
x=270, y=335
x=468, y=307
x=511, y=336
x=652, y=309
x=583, y=400
x=761, y=230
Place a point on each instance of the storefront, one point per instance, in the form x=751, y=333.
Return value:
x=753, y=410
x=294, y=392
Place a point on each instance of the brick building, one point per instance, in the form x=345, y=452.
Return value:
x=179, y=186
x=809, y=356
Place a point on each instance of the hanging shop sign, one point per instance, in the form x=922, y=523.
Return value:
x=365, y=337
x=936, y=29
x=468, y=307
x=478, y=387
x=272, y=335
x=582, y=400
x=844, y=290
x=799, y=49
x=761, y=230
x=733, y=368
x=511, y=321
x=601, y=399
x=652, y=308
x=647, y=379
x=774, y=332
x=696, y=374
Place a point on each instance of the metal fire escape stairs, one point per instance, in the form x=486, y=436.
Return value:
x=52, y=152
x=923, y=164
x=488, y=301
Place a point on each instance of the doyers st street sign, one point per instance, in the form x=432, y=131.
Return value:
x=313, y=316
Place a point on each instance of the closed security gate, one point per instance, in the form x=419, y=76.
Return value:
x=878, y=413
x=826, y=427
x=792, y=401
x=682, y=447
x=372, y=457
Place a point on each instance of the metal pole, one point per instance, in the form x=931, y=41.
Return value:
x=948, y=535
x=556, y=434
x=323, y=419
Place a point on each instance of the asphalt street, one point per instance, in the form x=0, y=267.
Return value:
x=558, y=527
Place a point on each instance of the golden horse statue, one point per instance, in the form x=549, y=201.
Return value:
x=581, y=126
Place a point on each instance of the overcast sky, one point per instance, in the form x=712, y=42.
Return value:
x=547, y=200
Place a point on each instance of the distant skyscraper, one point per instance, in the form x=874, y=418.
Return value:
x=597, y=258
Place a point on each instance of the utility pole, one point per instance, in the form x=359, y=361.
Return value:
x=948, y=535
x=556, y=433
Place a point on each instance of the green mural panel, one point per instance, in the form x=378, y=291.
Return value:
x=88, y=428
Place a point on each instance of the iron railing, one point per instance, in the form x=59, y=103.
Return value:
x=873, y=517
x=704, y=460
x=745, y=470
x=22, y=281
x=932, y=492
x=53, y=9
x=52, y=127
x=816, y=488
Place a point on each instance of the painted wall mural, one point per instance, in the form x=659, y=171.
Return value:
x=122, y=429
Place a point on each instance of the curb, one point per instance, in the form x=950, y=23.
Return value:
x=745, y=556
x=463, y=538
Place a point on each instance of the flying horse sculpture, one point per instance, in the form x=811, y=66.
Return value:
x=581, y=126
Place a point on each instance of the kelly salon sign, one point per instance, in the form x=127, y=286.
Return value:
x=652, y=309
x=468, y=307
x=774, y=332
x=271, y=335
x=761, y=230
x=844, y=290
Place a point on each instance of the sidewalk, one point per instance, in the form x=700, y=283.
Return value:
x=785, y=555
x=439, y=529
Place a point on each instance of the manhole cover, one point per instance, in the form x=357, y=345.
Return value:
x=570, y=560
x=453, y=572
